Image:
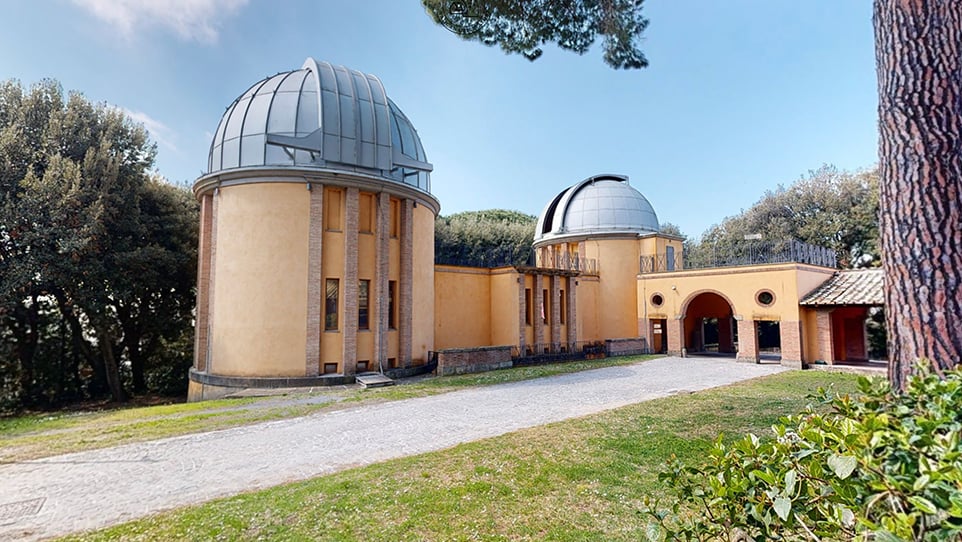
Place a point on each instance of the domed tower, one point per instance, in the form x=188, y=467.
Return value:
x=316, y=256
x=606, y=227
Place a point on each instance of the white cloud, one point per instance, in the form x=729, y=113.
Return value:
x=159, y=131
x=196, y=20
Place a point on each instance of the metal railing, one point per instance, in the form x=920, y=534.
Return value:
x=731, y=254
x=495, y=257
x=569, y=262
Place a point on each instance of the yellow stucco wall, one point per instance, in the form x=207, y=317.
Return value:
x=422, y=287
x=260, y=289
x=462, y=306
x=587, y=297
x=739, y=284
x=505, y=307
x=618, y=266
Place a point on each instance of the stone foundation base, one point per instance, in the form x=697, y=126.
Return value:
x=205, y=387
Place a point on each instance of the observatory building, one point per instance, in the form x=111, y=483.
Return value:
x=316, y=262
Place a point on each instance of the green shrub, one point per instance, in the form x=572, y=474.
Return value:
x=881, y=466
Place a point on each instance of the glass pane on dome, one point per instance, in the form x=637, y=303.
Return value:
x=421, y=155
x=344, y=86
x=236, y=119
x=366, y=115
x=361, y=86
x=256, y=122
x=231, y=156
x=282, y=113
x=271, y=85
x=395, y=132
x=407, y=138
x=293, y=82
x=214, y=161
x=275, y=155
x=347, y=116
x=307, y=113
x=330, y=111
x=252, y=150
x=383, y=124
x=377, y=91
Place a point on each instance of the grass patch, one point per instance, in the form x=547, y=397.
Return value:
x=42, y=435
x=582, y=479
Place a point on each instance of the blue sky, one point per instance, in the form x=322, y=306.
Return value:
x=740, y=95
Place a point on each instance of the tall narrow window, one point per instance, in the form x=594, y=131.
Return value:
x=545, y=309
x=527, y=306
x=392, y=304
x=669, y=258
x=330, y=304
x=363, y=304
x=561, y=306
x=332, y=209
x=365, y=220
x=395, y=217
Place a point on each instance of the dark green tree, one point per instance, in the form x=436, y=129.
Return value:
x=525, y=26
x=489, y=238
x=96, y=256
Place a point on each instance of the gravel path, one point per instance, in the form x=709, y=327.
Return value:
x=87, y=490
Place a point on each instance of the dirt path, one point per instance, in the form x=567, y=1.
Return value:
x=87, y=490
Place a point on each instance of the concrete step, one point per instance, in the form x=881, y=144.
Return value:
x=373, y=380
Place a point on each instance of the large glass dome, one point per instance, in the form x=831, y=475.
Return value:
x=320, y=116
x=599, y=205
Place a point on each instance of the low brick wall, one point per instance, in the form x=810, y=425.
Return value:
x=626, y=347
x=455, y=361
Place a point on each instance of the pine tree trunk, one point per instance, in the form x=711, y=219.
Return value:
x=919, y=59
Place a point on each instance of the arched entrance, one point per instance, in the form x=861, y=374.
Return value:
x=710, y=325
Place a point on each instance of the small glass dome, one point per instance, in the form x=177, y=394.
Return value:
x=320, y=116
x=603, y=204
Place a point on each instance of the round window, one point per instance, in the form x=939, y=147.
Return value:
x=765, y=298
x=657, y=300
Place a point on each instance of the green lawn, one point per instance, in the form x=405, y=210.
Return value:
x=42, y=435
x=577, y=480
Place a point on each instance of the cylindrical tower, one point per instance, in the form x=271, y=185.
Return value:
x=316, y=256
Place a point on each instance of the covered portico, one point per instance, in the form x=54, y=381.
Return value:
x=839, y=308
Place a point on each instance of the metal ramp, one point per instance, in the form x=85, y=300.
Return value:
x=373, y=380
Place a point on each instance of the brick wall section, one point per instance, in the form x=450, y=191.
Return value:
x=406, y=284
x=203, y=283
x=675, y=329
x=826, y=343
x=556, y=310
x=747, y=341
x=212, y=281
x=473, y=360
x=349, y=286
x=572, y=308
x=791, y=339
x=382, y=254
x=537, y=299
x=625, y=347
x=521, y=312
x=315, y=283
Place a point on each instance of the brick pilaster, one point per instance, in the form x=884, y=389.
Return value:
x=675, y=329
x=537, y=300
x=747, y=341
x=212, y=281
x=349, y=325
x=522, y=313
x=572, y=316
x=826, y=341
x=406, y=284
x=201, y=329
x=555, y=312
x=315, y=282
x=382, y=254
x=790, y=334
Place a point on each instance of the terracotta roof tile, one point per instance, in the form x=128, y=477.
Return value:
x=850, y=287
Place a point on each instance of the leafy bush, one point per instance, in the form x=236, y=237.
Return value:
x=881, y=466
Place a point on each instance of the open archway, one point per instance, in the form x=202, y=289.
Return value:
x=710, y=325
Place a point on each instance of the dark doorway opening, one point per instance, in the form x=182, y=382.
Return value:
x=769, y=340
x=709, y=326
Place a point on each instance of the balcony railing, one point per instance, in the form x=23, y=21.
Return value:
x=738, y=253
x=569, y=262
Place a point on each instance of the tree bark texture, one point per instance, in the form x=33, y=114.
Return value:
x=918, y=51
